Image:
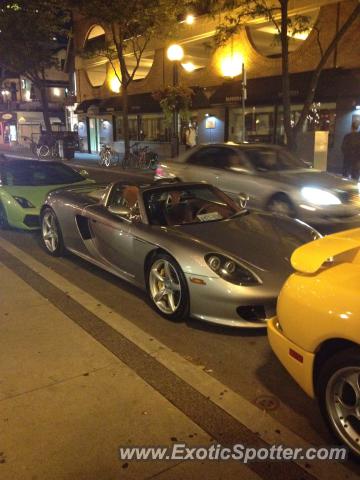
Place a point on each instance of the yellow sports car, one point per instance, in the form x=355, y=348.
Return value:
x=316, y=334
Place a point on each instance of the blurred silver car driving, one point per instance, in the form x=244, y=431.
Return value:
x=274, y=180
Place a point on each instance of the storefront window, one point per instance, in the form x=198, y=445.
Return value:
x=83, y=138
x=259, y=124
x=322, y=117
x=153, y=128
x=106, y=131
x=133, y=127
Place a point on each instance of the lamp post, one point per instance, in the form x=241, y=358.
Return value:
x=175, y=54
x=243, y=100
x=231, y=68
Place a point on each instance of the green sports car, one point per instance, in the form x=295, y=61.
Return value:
x=24, y=184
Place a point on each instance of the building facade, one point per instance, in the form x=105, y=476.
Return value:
x=21, y=114
x=215, y=77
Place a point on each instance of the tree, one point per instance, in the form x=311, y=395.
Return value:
x=131, y=25
x=29, y=34
x=277, y=12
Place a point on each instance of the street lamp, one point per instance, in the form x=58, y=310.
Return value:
x=175, y=54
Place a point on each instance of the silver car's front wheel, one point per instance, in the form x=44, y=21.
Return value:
x=167, y=287
x=280, y=204
x=51, y=233
x=339, y=395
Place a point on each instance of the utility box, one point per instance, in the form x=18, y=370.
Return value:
x=70, y=144
x=313, y=148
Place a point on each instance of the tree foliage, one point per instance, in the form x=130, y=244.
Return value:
x=130, y=26
x=29, y=34
x=240, y=12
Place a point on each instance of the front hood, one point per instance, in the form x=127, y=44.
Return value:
x=311, y=178
x=263, y=241
x=36, y=195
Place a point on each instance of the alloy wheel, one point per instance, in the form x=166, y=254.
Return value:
x=165, y=286
x=343, y=404
x=281, y=208
x=50, y=231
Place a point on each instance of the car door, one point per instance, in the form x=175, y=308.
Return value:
x=235, y=172
x=204, y=165
x=112, y=236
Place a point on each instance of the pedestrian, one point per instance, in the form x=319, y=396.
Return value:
x=190, y=136
x=351, y=151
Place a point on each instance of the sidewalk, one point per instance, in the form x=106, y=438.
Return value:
x=67, y=404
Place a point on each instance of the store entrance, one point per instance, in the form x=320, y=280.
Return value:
x=93, y=132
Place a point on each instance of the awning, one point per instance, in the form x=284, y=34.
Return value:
x=138, y=103
x=84, y=106
x=333, y=83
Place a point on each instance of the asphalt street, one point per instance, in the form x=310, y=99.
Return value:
x=240, y=360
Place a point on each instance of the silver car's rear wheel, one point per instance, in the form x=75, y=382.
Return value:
x=339, y=396
x=51, y=233
x=167, y=287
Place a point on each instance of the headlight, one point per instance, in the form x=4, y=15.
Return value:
x=231, y=271
x=24, y=203
x=317, y=196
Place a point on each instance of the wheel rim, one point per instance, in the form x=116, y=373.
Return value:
x=165, y=287
x=281, y=208
x=343, y=405
x=50, y=232
x=3, y=219
x=108, y=160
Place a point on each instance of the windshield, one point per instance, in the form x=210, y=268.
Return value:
x=187, y=205
x=35, y=174
x=273, y=159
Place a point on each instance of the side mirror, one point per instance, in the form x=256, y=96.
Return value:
x=120, y=211
x=84, y=173
x=243, y=199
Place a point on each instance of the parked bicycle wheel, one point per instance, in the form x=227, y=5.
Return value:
x=107, y=158
x=43, y=152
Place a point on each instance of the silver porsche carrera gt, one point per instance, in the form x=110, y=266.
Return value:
x=193, y=249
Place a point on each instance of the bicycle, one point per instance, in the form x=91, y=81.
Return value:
x=33, y=146
x=141, y=157
x=132, y=160
x=106, y=155
x=48, y=152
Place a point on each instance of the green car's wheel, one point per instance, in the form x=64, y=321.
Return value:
x=51, y=235
x=3, y=217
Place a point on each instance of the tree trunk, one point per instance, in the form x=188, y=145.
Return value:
x=290, y=139
x=125, y=113
x=45, y=107
x=317, y=72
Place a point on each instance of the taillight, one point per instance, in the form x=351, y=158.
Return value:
x=159, y=172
